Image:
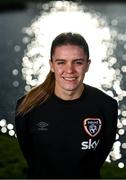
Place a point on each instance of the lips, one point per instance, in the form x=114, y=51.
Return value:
x=69, y=78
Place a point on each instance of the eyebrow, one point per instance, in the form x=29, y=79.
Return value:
x=82, y=60
x=78, y=59
x=59, y=60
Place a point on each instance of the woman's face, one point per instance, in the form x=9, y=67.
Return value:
x=69, y=64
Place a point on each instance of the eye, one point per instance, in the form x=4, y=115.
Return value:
x=79, y=62
x=60, y=62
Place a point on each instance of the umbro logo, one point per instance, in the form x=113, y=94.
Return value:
x=42, y=126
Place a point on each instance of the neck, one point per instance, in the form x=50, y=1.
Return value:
x=69, y=95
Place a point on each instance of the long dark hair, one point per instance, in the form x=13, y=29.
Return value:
x=42, y=92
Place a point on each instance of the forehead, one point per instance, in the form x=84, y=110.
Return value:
x=69, y=50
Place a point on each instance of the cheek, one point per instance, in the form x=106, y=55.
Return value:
x=85, y=69
x=58, y=71
x=81, y=70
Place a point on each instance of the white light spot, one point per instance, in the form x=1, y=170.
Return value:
x=124, y=145
x=124, y=113
x=119, y=111
x=11, y=132
x=124, y=122
x=115, y=153
x=17, y=48
x=121, y=131
x=15, y=83
x=10, y=126
x=123, y=69
x=112, y=61
x=26, y=40
x=27, y=88
x=114, y=22
x=117, y=136
x=45, y=6
x=110, y=93
x=119, y=125
x=15, y=72
x=2, y=122
x=121, y=165
x=117, y=143
x=3, y=129
x=108, y=159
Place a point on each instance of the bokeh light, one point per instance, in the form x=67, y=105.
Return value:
x=121, y=165
x=59, y=19
x=7, y=128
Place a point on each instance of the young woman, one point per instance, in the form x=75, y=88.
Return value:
x=65, y=127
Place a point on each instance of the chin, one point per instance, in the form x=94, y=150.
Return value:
x=70, y=88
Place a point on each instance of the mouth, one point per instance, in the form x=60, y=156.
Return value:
x=69, y=78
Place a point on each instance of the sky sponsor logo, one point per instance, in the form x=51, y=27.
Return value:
x=90, y=144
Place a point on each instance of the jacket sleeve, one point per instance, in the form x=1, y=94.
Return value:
x=22, y=129
x=110, y=114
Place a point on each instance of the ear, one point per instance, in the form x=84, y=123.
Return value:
x=51, y=65
x=88, y=64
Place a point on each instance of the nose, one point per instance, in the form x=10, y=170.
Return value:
x=69, y=68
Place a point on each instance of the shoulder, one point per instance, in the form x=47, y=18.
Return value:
x=99, y=95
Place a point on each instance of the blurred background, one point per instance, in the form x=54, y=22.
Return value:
x=27, y=29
